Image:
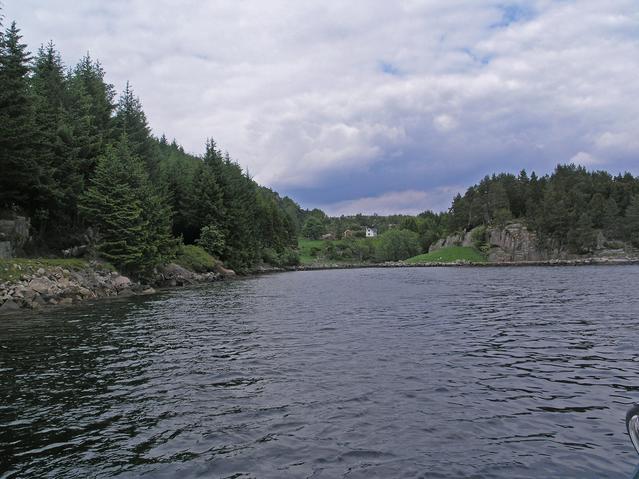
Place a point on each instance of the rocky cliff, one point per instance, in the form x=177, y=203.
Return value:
x=515, y=243
x=14, y=234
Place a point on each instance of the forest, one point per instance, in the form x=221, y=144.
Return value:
x=82, y=164
x=567, y=209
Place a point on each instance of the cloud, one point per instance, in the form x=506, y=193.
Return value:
x=408, y=202
x=585, y=159
x=328, y=100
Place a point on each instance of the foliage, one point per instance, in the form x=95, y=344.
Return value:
x=396, y=245
x=211, y=240
x=130, y=216
x=565, y=208
x=195, y=258
x=62, y=164
x=451, y=254
x=313, y=228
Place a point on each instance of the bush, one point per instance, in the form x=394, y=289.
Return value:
x=212, y=240
x=396, y=245
x=195, y=258
x=479, y=238
x=289, y=257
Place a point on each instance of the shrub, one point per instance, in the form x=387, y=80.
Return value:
x=396, y=245
x=195, y=258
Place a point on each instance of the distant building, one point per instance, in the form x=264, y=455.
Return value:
x=371, y=232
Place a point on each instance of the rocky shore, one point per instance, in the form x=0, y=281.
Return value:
x=462, y=263
x=59, y=285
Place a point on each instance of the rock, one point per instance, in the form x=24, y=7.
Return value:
x=513, y=243
x=125, y=293
x=148, y=291
x=65, y=301
x=85, y=293
x=223, y=271
x=121, y=282
x=42, y=285
x=9, y=306
x=40, y=272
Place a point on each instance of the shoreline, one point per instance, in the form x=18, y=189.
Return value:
x=59, y=286
x=467, y=264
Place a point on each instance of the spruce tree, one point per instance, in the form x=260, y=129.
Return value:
x=131, y=121
x=20, y=174
x=132, y=220
x=49, y=91
x=611, y=220
x=632, y=221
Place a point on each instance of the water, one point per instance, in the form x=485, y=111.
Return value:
x=460, y=373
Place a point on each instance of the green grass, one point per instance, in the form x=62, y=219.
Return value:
x=449, y=255
x=195, y=258
x=13, y=269
x=305, y=246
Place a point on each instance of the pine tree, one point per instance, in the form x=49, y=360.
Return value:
x=90, y=105
x=20, y=174
x=49, y=91
x=205, y=200
x=132, y=220
x=611, y=219
x=131, y=120
x=632, y=221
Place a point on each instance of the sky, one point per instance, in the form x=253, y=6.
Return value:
x=370, y=106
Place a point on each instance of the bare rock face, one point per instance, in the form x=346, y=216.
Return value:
x=14, y=234
x=513, y=243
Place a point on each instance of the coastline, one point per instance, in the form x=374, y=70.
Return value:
x=57, y=285
x=460, y=264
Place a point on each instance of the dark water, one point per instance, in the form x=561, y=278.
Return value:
x=478, y=373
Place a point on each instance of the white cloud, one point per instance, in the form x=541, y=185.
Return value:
x=408, y=202
x=306, y=93
x=585, y=159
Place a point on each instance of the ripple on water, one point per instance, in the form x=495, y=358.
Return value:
x=478, y=373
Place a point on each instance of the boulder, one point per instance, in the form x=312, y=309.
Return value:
x=223, y=271
x=42, y=285
x=9, y=306
x=121, y=282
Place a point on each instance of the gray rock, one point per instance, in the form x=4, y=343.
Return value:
x=121, y=282
x=42, y=285
x=9, y=306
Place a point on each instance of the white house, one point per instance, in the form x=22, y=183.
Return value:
x=371, y=232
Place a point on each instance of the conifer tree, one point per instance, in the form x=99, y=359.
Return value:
x=132, y=220
x=131, y=121
x=19, y=178
x=610, y=220
x=632, y=221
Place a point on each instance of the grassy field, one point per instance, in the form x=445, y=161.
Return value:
x=449, y=255
x=12, y=269
x=305, y=246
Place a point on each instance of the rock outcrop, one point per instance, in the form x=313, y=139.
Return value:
x=515, y=243
x=57, y=285
x=14, y=234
